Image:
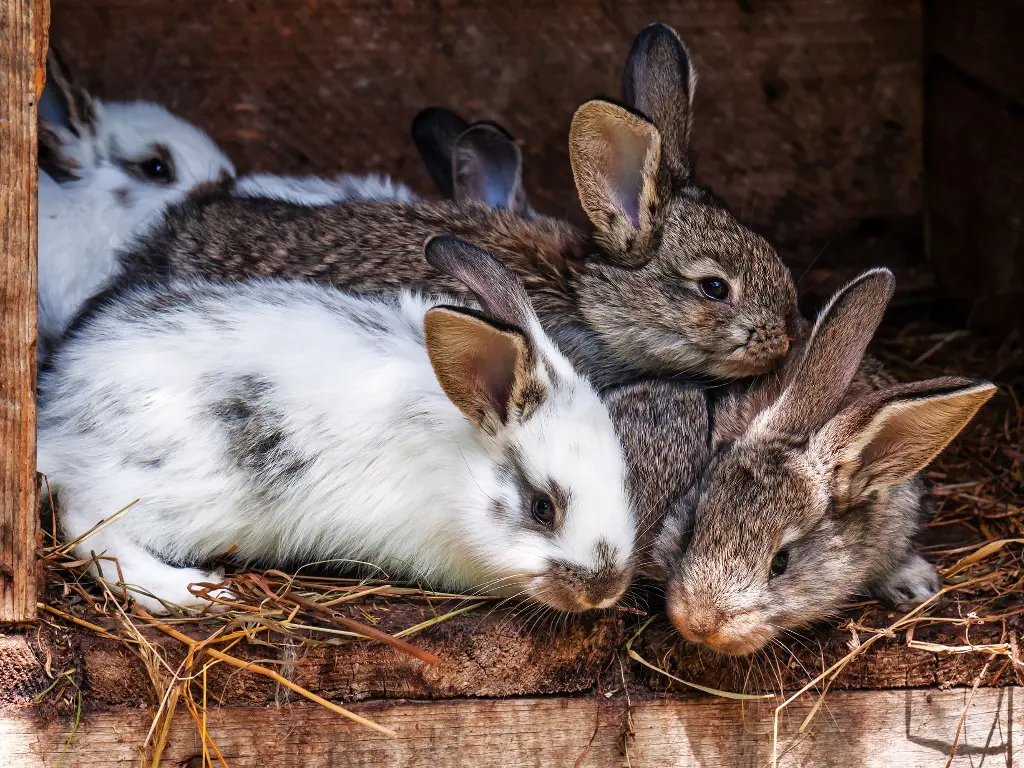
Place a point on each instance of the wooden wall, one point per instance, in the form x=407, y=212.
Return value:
x=975, y=155
x=809, y=111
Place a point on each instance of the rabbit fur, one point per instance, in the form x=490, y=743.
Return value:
x=108, y=171
x=632, y=297
x=790, y=494
x=296, y=422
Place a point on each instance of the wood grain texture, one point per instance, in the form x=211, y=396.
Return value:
x=976, y=198
x=22, y=48
x=495, y=655
x=808, y=114
x=868, y=729
x=982, y=38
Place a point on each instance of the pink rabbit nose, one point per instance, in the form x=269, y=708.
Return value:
x=697, y=624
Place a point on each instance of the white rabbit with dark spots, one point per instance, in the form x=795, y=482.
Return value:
x=293, y=422
x=108, y=170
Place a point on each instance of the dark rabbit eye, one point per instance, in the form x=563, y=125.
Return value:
x=715, y=288
x=544, y=511
x=157, y=169
x=780, y=562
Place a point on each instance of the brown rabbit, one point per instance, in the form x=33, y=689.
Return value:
x=809, y=493
x=667, y=282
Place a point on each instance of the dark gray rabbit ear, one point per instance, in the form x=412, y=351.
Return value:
x=659, y=82
x=488, y=168
x=63, y=103
x=435, y=131
x=817, y=380
x=499, y=291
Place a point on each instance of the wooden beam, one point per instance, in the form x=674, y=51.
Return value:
x=22, y=56
x=868, y=729
x=975, y=172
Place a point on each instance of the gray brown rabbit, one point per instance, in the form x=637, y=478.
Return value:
x=667, y=282
x=781, y=499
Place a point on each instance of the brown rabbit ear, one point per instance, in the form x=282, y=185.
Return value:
x=896, y=433
x=63, y=103
x=499, y=291
x=434, y=131
x=487, y=167
x=615, y=156
x=487, y=370
x=817, y=381
x=659, y=81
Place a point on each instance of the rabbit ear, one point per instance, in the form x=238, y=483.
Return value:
x=659, y=82
x=894, y=434
x=817, y=381
x=64, y=104
x=434, y=130
x=488, y=167
x=499, y=291
x=615, y=156
x=486, y=369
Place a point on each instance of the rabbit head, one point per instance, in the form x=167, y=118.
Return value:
x=801, y=510
x=479, y=162
x=566, y=526
x=702, y=291
x=137, y=153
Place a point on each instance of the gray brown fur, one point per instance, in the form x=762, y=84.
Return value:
x=615, y=317
x=776, y=466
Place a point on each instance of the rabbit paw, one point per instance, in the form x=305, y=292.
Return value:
x=914, y=582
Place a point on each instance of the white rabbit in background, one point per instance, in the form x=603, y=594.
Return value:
x=107, y=171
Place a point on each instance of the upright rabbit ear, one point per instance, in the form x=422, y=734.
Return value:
x=892, y=435
x=499, y=291
x=659, y=82
x=817, y=380
x=488, y=168
x=434, y=130
x=615, y=157
x=486, y=369
x=64, y=104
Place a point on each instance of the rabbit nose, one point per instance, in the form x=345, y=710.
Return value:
x=769, y=342
x=698, y=624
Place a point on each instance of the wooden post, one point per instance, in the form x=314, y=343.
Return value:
x=23, y=34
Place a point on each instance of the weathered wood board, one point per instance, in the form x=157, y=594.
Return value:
x=868, y=729
x=808, y=111
x=974, y=139
x=23, y=29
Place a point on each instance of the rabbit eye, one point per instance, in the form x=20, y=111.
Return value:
x=156, y=169
x=543, y=511
x=714, y=288
x=780, y=562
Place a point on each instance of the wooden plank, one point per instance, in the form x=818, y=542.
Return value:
x=808, y=115
x=868, y=729
x=976, y=199
x=981, y=37
x=22, y=53
x=494, y=655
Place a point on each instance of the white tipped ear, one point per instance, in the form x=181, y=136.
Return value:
x=897, y=432
x=615, y=157
x=488, y=371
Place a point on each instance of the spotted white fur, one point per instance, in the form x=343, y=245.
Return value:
x=384, y=468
